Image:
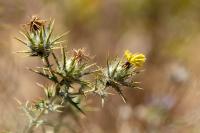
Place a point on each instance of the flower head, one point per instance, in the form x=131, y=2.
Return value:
x=135, y=59
x=36, y=23
x=39, y=39
x=80, y=54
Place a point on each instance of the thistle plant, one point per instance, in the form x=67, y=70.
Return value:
x=72, y=75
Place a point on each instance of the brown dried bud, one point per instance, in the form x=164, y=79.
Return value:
x=36, y=23
x=80, y=54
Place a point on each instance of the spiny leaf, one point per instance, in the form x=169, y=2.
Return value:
x=56, y=60
x=49, y=36
x=23, y=34
x=91, y=72
x=102, y=101
x=108, y=68
x=59, y=37
x=26, y=33
x=41, y=36
x=18, y=101
x=42, y=74
x=115, y=85
x=51, y=24
x=114, y=70
x=89, y=66
x=63, y=57
x=23, y=52
x=75, y=105
x=120, y=93
x=59, y=42
x=21, y=41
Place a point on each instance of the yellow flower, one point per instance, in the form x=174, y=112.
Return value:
x=135, y=59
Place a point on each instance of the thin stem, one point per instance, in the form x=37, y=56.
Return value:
x=50, y=69
x=49, y=65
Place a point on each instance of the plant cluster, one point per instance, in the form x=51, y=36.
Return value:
x=72, y=75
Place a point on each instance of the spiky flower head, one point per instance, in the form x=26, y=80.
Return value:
x=39, y=39
x=72, y=68
x=135, y=59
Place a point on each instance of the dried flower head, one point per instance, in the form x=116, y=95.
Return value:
x=135, y=59
x=36, y=23
x=80, y=54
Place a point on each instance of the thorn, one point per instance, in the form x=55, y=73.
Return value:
x=139, y=88
x=19, y=102
x=102, y=102
x=40, y=85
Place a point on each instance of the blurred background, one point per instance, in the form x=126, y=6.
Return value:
x=166, y=31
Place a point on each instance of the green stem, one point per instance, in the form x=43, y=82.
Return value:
x=49, y=66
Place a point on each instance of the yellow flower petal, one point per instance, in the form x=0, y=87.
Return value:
x=135, y=59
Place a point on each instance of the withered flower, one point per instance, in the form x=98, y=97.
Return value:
x=36, y=23
x=80, y=54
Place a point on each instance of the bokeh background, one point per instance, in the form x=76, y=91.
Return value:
x=166, y=31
